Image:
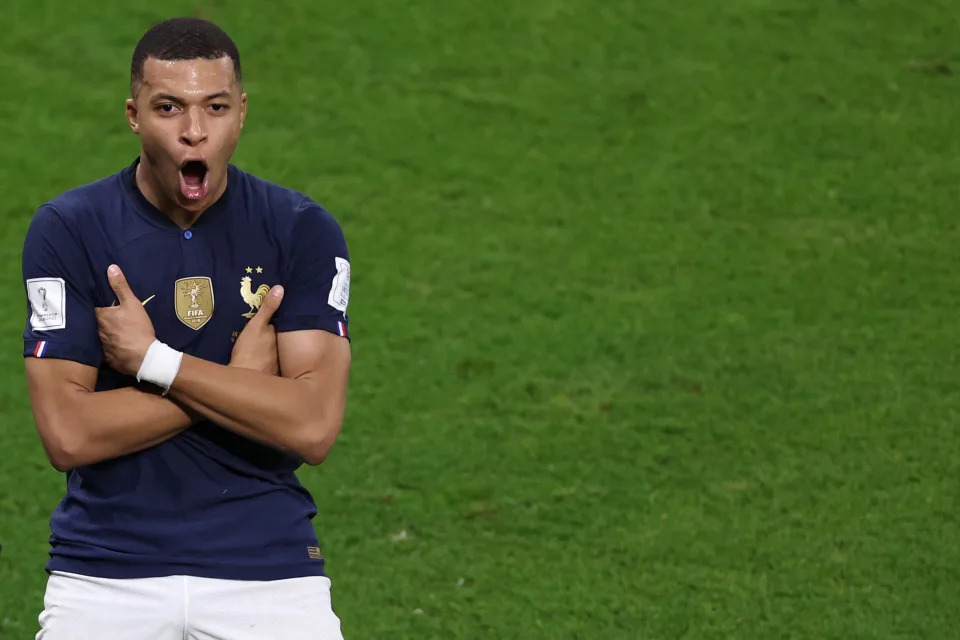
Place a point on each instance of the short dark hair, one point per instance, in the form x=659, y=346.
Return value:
x=182, y=39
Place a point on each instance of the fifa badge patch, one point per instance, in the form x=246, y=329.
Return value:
x=193, y=299
x=339, y=295
x=48, y=303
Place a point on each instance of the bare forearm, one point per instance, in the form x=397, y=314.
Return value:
x=283, y=413
x=97, y=426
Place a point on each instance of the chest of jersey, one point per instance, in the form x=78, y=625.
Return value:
x=200, y=287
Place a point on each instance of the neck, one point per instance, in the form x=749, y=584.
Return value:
x=148, y=184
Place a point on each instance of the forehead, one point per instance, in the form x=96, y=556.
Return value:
x=186, y=77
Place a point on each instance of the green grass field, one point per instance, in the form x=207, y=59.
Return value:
x=652, y=304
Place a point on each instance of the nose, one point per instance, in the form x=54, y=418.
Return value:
x=194, y=130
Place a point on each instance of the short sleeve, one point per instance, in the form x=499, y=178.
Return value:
x=316, y=275
x=61, y=322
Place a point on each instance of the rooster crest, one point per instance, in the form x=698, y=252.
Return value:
x=251, y=297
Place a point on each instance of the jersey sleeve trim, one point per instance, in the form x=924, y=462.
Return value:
x=307, y=322
x=35, y=348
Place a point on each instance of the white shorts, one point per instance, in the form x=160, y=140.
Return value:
x=187, y=608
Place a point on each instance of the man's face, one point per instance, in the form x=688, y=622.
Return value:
x=188, y=114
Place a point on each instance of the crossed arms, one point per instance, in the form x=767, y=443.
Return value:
x=299, y=411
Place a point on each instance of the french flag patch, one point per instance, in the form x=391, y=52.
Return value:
x=342, y=328
x=39, y=349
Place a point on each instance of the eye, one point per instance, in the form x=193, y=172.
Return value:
x=219, y=107
x=165, y=108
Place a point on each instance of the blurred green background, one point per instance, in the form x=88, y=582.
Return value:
x=652, y=303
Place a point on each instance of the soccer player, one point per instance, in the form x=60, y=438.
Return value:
x=186, y=350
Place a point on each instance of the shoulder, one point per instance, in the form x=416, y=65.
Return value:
x=62, y=229
x=285, y=208
x=77, y=206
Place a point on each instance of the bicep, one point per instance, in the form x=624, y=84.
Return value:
x=320, y=360
x=314, y=354
x=312, y=339
x=49, y=378
x=51, y=384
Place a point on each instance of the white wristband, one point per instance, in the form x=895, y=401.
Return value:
x=160, y=366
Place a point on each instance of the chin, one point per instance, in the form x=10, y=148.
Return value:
x=193, y=206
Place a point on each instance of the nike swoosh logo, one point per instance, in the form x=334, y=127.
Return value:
x=142, y=304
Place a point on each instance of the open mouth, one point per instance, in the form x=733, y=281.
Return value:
x=193, y=179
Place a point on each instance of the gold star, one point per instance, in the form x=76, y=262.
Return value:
x=249, y=270
x=259, y=269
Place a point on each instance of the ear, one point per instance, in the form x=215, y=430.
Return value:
x=133, y=116
x=243, y=108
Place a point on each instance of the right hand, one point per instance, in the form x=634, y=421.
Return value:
x=125, y=330
x=256, y=346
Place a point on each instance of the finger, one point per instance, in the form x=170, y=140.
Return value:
x=103, y=312
x=270, y=303
x=118, y=282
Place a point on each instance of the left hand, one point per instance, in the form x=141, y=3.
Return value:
x=256, y=347
x=125, y=329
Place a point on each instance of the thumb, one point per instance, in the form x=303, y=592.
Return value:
x=118, y=282
x=270, y=303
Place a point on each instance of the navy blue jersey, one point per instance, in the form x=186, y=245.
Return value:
x=206, y=502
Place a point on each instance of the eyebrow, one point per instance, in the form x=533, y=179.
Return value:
x=175, y=99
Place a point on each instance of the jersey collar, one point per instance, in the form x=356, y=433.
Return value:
x=129, y=178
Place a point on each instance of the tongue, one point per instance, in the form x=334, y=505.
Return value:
x=193, y=184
